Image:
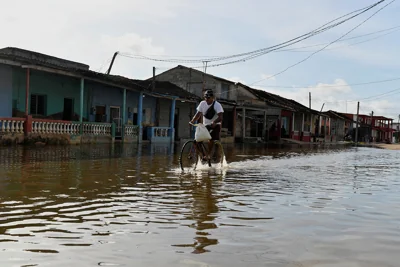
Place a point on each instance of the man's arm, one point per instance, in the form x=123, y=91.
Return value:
x=219, y=119
x=196, y=116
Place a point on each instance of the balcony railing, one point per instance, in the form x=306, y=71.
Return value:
x=12, y=125
x=131, y=130
x=159, y=134
x=97, y=128
x=41, y=126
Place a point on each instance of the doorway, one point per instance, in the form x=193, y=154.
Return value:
x=176, y=124
x=68, y=112
x=100, y=115
x=115, y=117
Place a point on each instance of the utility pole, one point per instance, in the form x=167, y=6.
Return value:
x=153, y=87
x=112, y=62
x=372, y=123
x=358, y=110
x=309, y=99
x=319, y=120
x=398, y=129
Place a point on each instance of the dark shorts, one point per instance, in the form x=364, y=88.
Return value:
x=214, y=132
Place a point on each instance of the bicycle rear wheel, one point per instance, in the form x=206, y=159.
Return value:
x=218, y=154
x=189, y=157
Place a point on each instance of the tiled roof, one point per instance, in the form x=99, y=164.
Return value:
x=115, y=79
x=31, y=57
x=163, y=88
x=168, y=88
x=27, y=57
x=271, y=99
x=195, y=70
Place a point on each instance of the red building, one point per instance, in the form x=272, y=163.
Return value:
x=379, y=128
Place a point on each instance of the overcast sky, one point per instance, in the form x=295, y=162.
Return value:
x=90, y=31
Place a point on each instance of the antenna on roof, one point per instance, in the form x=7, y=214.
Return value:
x=112, y=62
x=153, y=84
x=204, y=72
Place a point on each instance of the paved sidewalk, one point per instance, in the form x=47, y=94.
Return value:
x=388, y=146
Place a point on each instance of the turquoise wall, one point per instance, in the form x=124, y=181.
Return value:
x=55, y=87
x=5, y=91
x=104, y=95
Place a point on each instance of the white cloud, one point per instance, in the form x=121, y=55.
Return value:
x=72, y=30
x=374, y=57
x=321, y=92
x=338, y=96
x=91, y=31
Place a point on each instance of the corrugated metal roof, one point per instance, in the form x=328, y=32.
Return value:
x=332, y=113
x=279, y=101
x=271, y=99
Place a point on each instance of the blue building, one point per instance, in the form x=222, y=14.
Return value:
x=45, y=95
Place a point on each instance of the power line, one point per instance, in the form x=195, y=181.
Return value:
x=283, y=50
x=369, y=98
x=297, y=49
x=330, y=85
x=309, y=56
x=260, y=52
x=392, y=93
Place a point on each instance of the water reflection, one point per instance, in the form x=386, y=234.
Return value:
x=204, y=212
x=113, y=204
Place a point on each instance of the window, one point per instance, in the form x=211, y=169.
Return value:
x=38, y=105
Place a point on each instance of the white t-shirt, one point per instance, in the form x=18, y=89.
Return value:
x=203, y=107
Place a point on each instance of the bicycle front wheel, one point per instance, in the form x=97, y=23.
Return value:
x=189, y=156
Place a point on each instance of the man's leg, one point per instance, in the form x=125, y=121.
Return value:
x=200, y=151
x=215, y=135
x=210, y=147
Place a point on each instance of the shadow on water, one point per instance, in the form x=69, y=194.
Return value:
x=114, y=204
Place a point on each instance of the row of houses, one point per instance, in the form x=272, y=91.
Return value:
x=47, y=97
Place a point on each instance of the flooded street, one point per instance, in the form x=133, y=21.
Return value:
x=132, y=206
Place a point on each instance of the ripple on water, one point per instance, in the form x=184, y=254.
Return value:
x=282, y=208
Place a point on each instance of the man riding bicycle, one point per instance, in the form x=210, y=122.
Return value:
x=211, y=112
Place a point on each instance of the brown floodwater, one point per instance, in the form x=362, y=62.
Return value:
x=132, y=206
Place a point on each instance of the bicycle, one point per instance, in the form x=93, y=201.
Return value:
x=192, y=151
